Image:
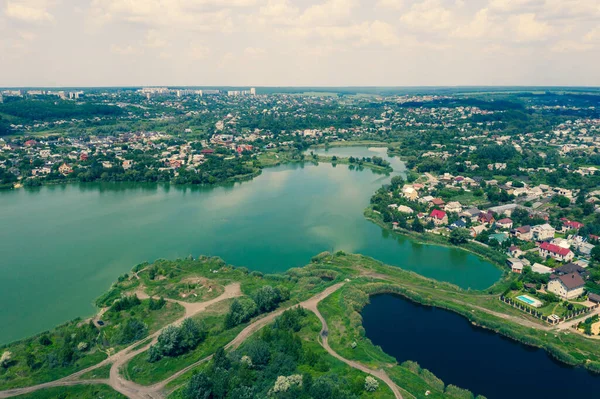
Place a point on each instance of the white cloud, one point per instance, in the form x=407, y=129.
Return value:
x=593, y=36
x=392, y=4
x=125, y=50
x=254, y=51
x=327, y=13
x=367, y=33
x=155, y=39
x=527, y=27
x=481, y=25
x=428, y=15
x=199, y=51
x=570, y=46
x=29, y=10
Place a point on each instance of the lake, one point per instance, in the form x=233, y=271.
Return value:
x=471, y=357
x=62, y=246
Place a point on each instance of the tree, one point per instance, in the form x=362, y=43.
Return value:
x=595, y=254
x=459, y=236
x=417, y=226
x=371, y=384
x=199, y=387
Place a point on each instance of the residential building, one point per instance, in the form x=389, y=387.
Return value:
x=523, y=233
x=505, y=223
x=453, y=207
x=559, y=253
x=542, y=232
x=568, y=286
x=438, y=217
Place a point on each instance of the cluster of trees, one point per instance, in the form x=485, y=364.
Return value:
x=174, y=341
x=269, y=366
x=125, y=303
x=264, y=300
x=49, y=109
x=132, y=330
x=374, y=160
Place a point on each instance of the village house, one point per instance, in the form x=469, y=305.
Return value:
x=453, y=207
x=438, y=217
x=437, y=202
x=516, y=265
x=127, y=164
x=572, y=268
x=410, y=193
x=65, y=169
x=559, y=253
x=542, y=232
x=539, y=268
x=486, y=218
x=568, y=286
x=471, y=214
x=405, y=209
x=515, y=251
x=523, y=233
x=570, y=225
x=476, y=230
x=505, y=223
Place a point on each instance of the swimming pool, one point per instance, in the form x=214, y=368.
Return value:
x=530, y=301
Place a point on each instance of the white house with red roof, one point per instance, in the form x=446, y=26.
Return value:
x=559, y=253
x=439, y=217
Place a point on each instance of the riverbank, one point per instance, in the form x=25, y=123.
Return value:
x=490, y=255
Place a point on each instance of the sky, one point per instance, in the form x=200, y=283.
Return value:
x=299, y=42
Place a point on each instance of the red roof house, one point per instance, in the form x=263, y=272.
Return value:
x=555, y=251
x=439, y=217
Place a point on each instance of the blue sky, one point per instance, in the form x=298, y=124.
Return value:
x=303, y=42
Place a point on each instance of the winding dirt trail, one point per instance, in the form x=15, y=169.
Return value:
x=156, y=391
x=116, y=381
x=312, y=305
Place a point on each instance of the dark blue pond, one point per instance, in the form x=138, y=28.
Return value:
x=471, y=357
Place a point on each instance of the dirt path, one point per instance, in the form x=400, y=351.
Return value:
x=116, y=381
x=381, y=374
x=119, y=359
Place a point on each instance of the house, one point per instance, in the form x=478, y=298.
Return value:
x=127, y=164
x=523, y=233
x=410, y=193
x=471, y=214
x=571, y=225
x=437, y=202
x=572, y=268
x=486, y=218
x=539, y=268
x=594, y=298
x=65, y=169
x=568, y=286
x=559, y=253
x=515, y=251
x=459, y=224
x=505, y=223
x=405, y=209
x=438, y=217
x=542, y=232
x=516, y=266
x=476, y=230
x=453, y=207
x=507, y=209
